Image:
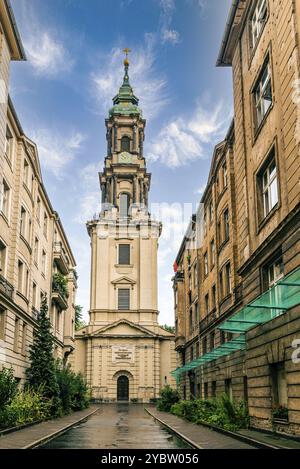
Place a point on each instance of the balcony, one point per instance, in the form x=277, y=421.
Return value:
x=207, y=321
x=6, y=288
x=59, y=291
x=60, y=258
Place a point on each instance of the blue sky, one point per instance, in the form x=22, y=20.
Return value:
x=63, y=92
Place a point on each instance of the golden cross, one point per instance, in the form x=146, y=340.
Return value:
x=126, y=50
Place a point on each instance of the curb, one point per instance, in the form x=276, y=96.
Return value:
x=53, y=435
x=7, y=431
x=176, y=432
x=237, y=436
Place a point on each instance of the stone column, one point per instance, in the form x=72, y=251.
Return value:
x=146, y=194
x=103, y=193
x=141, y=143
x=115, y=191
x=134, y=138
x=142, y=191
x=115, y=138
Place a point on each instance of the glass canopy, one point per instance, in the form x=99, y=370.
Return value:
x=282, y=296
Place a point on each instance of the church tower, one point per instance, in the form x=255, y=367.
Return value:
x=123, y=352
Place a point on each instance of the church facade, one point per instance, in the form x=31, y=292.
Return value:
x=123, y=352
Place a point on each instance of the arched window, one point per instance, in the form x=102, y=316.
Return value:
x=124, y=204
x=125, y=143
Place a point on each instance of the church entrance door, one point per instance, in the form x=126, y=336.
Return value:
x=123, y=388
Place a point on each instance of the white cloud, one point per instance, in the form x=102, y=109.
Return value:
x=56, y=151
x=144, y=78
x=90, y=201
x=201, y=190
x=182, y=141
x=170, y=35
x=46, y=54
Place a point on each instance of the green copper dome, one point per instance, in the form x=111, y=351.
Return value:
x=125, y=102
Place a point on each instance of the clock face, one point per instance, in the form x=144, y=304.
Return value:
x=125, y=157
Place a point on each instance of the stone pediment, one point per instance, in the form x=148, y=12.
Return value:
x=124, y=281
x=123, y=327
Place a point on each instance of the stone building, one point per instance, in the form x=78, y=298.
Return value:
x=34, y=250
x=255, y=323
x=123, y=352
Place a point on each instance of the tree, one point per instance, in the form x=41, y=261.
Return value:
x=79, y=323
x=169, y=328
x=41, y=373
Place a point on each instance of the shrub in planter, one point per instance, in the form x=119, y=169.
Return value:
x=8, y=386
x=281, y=413
x=168, y=397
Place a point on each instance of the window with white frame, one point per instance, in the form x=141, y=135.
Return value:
x=4, y=198
x=262, y=94
x=8, y=144
x=45, y=227
x=20, y=276
x=275, y=271
x=124, y=254
x=212, y=252
x=269, y=187
x=36, y=251
x=23, y=222
x=258, y=21
x=195, y=275
x=205, y=264
x=224, y=174
x=43, y=266
x=26, y=173
x=123, y=299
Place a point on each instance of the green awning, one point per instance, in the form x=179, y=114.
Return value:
x=238, y=343
x=271, y=304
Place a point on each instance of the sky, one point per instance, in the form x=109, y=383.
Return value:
x=63, y=92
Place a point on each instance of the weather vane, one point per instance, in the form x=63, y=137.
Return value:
x=126, y=61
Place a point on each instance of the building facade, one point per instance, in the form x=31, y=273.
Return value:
x=123, y=352
x=35, y=256
x=255, y=205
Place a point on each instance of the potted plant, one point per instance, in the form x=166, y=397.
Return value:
x=280, y=413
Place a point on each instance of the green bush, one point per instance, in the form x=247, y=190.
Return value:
x=8, y=386
x=168, y=397
x=220, y=412
x=26, y=407
x=73, y=391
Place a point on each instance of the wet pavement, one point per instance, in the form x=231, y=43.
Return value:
x=122, y=426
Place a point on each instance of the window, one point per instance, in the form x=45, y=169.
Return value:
x=192, y=353
x=214, y=389
x=123, y=299
x=206, y=304
x=211, y=212
x=34, y=295
x=262, y=94
x=124, y=205
x=212, y=253
x=26, y=173
x=222, y=337
x=2, y=323
x=204, y=346
x=212, y=341
x=205, y=264
x=8, y=144
x=205, y=224
x=23, y=221
x=227, y=279
x=124, y=254
x=196, y=312
x=2, y=258
x=213, y=295
x=205, y=390
x=197, y=350
x=24, y=338
x=279, y=385
x=275, y=272
x=20, y=276
x=38, y=209
x=27, y=283
x=191, y=321
x=45, y=228
x=195, y=275
x=228, y=388
x=224, y=174
x=257, y=21
x=43, y=262
x=125, y=143
x=226, y=224
x=36, y=251
x=4, y=198
x=16, y=335
x=269, y=187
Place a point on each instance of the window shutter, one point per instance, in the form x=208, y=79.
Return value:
x=123, y=299
x=124, y=254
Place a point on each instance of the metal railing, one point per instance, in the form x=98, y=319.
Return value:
x=6, y=287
